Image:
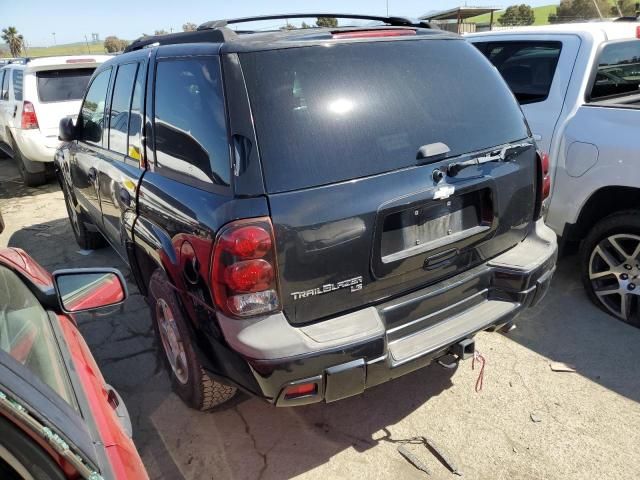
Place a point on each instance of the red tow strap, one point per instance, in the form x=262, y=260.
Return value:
x=478, y=356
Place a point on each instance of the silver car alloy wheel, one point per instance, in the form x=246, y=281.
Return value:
x=172, y=341
x=614, y=273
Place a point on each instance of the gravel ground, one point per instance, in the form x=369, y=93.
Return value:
x=587, y=423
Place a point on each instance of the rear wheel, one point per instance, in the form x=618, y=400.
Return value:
x=610, y=257
x=86, y=239
x=188, y=378
x=30, y=179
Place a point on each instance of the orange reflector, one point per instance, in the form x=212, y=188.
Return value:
x=300, y=390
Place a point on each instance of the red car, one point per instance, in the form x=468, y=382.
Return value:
x=58, y=417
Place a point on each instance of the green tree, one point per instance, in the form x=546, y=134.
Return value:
x=306, y=25
x=15, y=41
x=327, y=22
x=627, y=8
x=189, y=27
x=517, y=15
x=113, y=44
x=162, y=31
x=576, y=10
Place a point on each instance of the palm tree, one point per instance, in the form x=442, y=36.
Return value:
x=15, y=41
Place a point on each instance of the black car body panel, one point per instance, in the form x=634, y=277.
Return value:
x=367, y=229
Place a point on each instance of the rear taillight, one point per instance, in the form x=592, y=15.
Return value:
x=546, y=177
x=399, y=32
x=544, y=181
x=244, y=272
x=29, y=119
x=638, y=32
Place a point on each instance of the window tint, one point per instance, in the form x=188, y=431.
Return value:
x=135, y=119
x=26, y=334
x=325, y=115
x=527, y=67
x=91, y=120
x=17, y=84
x=190, y=129
x=120, y=104
x=63, y=85
x=4, y=93
x=618, y=70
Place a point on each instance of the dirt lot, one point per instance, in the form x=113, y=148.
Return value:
x=587, y=423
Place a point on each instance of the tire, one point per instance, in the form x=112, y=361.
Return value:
x=30, y=179
x=28, y=453
x=188, y=378
x=610, y=264
x=86, y=239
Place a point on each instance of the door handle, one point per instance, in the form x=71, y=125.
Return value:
x=125, y=197
x=93, y=173
x=15, y=110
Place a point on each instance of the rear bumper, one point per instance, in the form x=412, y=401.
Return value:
x=347, y=354
x=35, y=146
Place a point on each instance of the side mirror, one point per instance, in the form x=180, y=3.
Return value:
x=83, y=289
x=66, y=130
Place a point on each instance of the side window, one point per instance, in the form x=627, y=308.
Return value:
x=120, y=104
x=527, y=67
x=26, y=334
x=190, y=129
x=618, y=70
x=135, y=119
x=91, y=121
x=17, y=84
x=4, y=93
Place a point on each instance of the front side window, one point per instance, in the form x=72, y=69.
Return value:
x=618, y=70
x=18, y=76
x=119, y=114
x=63, y=85
x=4, y=91
x=190, y=127
x=527, y=67
x=91, y=121
x=26, y=334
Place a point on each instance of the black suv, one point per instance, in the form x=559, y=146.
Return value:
x=310, y=212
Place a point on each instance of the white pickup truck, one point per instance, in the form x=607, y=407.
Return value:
x=579, y=88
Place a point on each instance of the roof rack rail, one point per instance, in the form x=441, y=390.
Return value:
x=394, y=21
x=211, y=35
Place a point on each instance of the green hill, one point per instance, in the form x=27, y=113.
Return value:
x=541, y=13
x=78, y=48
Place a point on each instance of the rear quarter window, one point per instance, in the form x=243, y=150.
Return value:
x=325, y=115
x=190, y=124
x=63, y=85
x=528, y=67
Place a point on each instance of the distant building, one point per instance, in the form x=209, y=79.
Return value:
x=453, y=20
x=95, y=37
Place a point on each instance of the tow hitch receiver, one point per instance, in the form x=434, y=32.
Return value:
x=464, y=349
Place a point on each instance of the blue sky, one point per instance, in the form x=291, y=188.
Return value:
x=72, y=19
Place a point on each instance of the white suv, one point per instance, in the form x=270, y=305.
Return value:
x=35, y=95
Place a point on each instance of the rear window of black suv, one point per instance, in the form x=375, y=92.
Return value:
x=326, y=114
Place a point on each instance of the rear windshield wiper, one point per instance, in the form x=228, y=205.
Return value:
x=503, y=154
